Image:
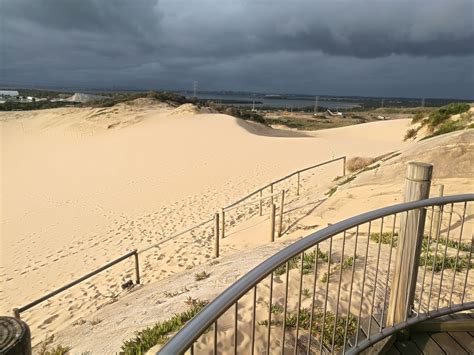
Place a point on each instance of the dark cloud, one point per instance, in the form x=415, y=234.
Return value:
x=368, y=47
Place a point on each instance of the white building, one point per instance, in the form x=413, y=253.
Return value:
x=9, y=93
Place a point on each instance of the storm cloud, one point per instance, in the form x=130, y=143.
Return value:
x=359, y=47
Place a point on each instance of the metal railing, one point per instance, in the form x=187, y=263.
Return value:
x=337, y=289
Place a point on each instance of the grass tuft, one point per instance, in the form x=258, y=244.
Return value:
x=158, y=334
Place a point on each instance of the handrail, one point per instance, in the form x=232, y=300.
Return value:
x=198, y=325
x=19, y=310
x=284, y=178
x=176, y=235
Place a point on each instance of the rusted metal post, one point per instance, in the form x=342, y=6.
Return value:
x=412, y=224
x=298, y=186
x=282, y=204
x=16, y=313
x=216, y=235
x=137, y=268
x=272, y=222
x=223, y=224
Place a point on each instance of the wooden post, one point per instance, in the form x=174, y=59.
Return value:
x=272, y=221
x=344, y=166
x=260, y=204
x=137, y=268
x=437, y=215
x=271, y=192
x=216, y=234
x=412, y=224
x=223, y=224
x=282, y=203
x=298, y=186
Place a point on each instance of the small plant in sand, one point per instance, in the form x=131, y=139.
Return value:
x=275, y=308
x=201, y=275
x=304, y=321
x=410, y=134
x=309, y=259
x=358, y=163
x=344, y=265
x=95, y=321
x=385, y=238
x=439, y=262
x=158, y=334
x=306, y=293
x=59, y=349
x=331, y=191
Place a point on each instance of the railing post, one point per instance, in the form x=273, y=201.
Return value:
x=223, y=224
x=298, y=186
x=437, y=215
x=272, y=222
x=282, y=204
x=137, y=268
x=412, y=224
x=16, y=313
x=216, y=234
x=344, y=166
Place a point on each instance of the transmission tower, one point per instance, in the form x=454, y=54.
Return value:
x=195, y=88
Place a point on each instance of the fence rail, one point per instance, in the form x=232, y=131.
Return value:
x=217, y=235
x=267, y=311
x=18, y=311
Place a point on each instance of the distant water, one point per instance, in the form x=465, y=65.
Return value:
x=277, y=103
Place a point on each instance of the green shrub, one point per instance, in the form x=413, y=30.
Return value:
x=417, y=118
x=158, y=334
x=385, y=238
x=443, y=113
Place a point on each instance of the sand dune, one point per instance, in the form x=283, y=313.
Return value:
x=83, y=186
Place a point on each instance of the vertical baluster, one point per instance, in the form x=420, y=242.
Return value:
x=363, y=286
x=215, y=337
x=457, y=252
x=338, y=292
x=467, y=270
x=388, y=272
x=350, y=292
x=236, y=319
x=315, y=276
x=323, y=325
x=270, y=314
x=441, y=210
x=299, y=305
x=428, y=246
x=285, y=307
x=444, y=256
x=254, y=314
x=375, y=280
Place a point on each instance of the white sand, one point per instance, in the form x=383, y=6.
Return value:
x=76, y=194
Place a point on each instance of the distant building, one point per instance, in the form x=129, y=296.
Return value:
x=9, y=93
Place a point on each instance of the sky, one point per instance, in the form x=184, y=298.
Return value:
x=392, y=48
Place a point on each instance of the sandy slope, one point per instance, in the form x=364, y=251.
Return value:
x=146, y=305
x=83, y=186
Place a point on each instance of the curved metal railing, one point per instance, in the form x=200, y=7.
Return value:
x=332, y=291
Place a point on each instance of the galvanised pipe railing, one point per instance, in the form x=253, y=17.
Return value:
x=354, y=308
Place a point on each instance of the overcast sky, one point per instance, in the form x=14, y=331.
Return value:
x=413, y=48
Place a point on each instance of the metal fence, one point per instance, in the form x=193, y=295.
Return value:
x=346, y=287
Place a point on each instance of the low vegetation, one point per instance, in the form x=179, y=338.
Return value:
x=309, y=260
x=439, y=122
x=317, y=321
x=46, y=349
x=358, y=163
x=158, y=334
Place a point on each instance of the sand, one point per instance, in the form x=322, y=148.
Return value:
x=81, y=187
